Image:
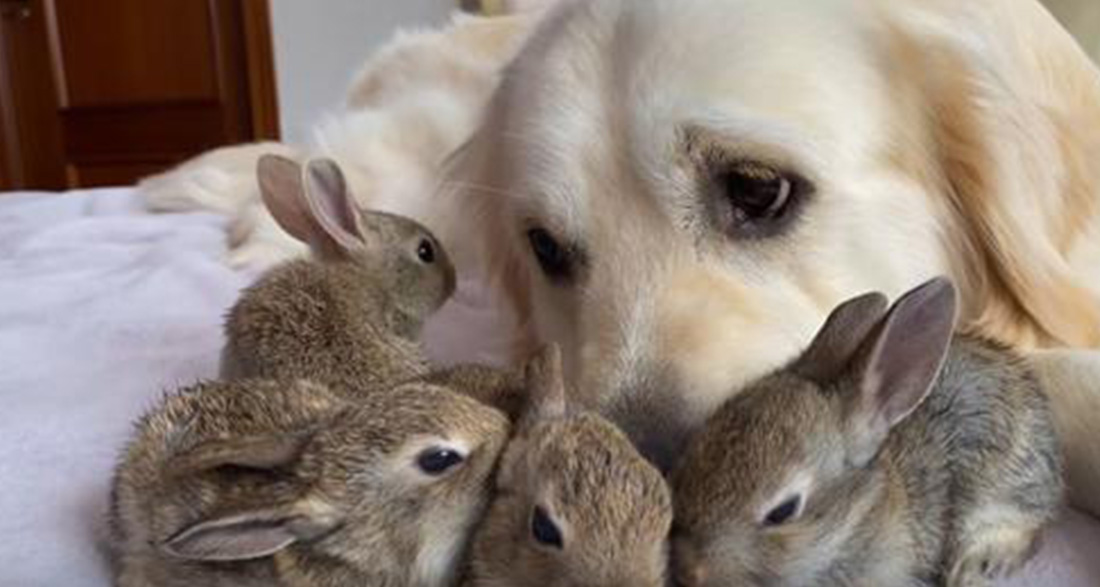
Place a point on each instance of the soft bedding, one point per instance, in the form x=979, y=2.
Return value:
x=102, y=307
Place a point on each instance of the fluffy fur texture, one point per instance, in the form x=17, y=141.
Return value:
x=263, y=483
x=939, y=137
x=863, y=463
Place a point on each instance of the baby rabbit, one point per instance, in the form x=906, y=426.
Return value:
x=349, y=318
x=576, y=505
x=251, y=483
x=855, y=465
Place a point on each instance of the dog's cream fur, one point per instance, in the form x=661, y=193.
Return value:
x=957, y=137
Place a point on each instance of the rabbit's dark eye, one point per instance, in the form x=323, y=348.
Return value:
x=426, y=252
x=784, y=512
x=436, y=461
x=555, y=260
x=544, y=529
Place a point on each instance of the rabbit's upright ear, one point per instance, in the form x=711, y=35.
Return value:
x=897, y=366
x=250, y=534
x=250, y=531
x=844, y=331
x=333, y=207
x=545, y=387
x=283, y=193
x=313, y=204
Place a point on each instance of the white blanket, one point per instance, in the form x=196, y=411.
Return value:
x=101, y=308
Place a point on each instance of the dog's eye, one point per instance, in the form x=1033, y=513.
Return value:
x=437, y=461
x=555, y=260
x=758, y=199
x=784, y=512
x=544, y=530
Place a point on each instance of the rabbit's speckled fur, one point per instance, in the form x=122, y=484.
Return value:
x=612, y=507
x=351, y=316
x=262, y=483
x=955, y=494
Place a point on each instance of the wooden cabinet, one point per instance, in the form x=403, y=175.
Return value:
x=104, y=92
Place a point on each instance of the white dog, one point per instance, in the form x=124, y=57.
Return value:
x=678, y=191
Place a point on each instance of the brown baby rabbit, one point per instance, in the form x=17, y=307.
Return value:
x=351, y=316
x=855, y=465
x=253, y=483
x=576, y=505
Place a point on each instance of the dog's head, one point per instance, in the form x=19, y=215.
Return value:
x=678, y=192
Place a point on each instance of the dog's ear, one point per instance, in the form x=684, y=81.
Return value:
x=1008, y=108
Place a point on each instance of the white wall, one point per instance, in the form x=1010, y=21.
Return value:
x=1082, y=18
x=319, y=44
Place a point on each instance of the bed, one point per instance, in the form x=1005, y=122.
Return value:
x=102, y=308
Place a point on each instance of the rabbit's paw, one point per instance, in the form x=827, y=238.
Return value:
x=992, y=553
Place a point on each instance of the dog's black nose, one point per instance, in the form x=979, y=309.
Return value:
x=656, y=421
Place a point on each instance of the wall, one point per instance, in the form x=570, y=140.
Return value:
x=318, y=49
x=1082, y=18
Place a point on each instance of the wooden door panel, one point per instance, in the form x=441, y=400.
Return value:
x=110, y=174
x=147, y=134
x=131, y=87
x=30, y=143
x=115, y=52
x=147, y=84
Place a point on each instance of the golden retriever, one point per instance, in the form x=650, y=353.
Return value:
x=679, y=191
